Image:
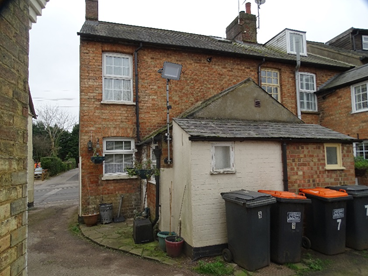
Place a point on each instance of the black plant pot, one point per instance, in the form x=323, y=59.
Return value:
x=144, y=174
x=97, y=159
x=360, y=172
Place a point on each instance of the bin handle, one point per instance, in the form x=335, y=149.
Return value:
x=342, y=190
x=302, y=194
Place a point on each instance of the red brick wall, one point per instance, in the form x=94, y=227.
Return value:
x=199, y=80
x=336, y=114
x=151, y=198
x=306, y=167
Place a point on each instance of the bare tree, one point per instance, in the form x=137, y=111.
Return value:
x=56, y=122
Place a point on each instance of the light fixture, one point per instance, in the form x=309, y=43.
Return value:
x=90, y=145
x=170, y=71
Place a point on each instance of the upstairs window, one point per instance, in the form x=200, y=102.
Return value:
x=118, y=154
x=117, y=78
x=365, y=42
x=271, y=83
x=292, y=37
x=222, y=158
x=359, y=97
x=307, y=87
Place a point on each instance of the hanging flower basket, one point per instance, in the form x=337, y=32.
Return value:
x=97, y=159
x=144, y=173
x=360, y=172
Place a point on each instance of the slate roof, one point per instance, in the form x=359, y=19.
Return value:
x=204, y=129
x=105, y=31
x=355, y=75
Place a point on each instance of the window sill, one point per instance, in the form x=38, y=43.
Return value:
x=359, y=111
x=334, y=168
x=119, y=103
x=222, y=172
x=115, y=177
x=310, y=112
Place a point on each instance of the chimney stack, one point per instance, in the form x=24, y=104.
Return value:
x=92, y=10
x=244, y=27
x=247, y=8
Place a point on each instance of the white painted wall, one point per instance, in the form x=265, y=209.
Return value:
x=258, y=166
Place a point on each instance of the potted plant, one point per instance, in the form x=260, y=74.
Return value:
x=174, y=245
x=361, y=166
x=162, y=235
x=144, y=169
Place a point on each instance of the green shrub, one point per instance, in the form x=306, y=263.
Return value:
x=54, y=165
x=361, y=163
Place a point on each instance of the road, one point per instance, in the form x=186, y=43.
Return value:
x=55, y=246
x=59, y=190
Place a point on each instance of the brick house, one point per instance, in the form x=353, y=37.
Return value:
x=123, y=102
x=350, y=46
x=15, y=110
x=348, y=91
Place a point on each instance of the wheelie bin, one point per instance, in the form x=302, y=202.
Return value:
x=357, y=216
x=325, y=224
x=286, y=226
x=248, y=228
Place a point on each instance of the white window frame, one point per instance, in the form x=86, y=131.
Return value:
x=128, y=77
x=154, y=161
x=269, y=87
x=365, y=42
x=231, y=168
x=290, y=43
x=107, y=152
x=363, y=151
x=338, y=165
x=353, y=97
x=311, y=93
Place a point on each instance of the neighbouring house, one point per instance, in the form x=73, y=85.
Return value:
x=124, y=108
x=343, y=104
x=350, y=46
x=30, y=168
x=14, y=134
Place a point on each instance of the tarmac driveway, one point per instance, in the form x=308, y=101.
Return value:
x=54, y=250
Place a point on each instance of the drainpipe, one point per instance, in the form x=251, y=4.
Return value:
x=259, y=71
x=284, y=167
x=136, y=90
x=157, y=152
x=297, y=46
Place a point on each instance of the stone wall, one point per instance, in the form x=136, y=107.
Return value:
x=14, y=43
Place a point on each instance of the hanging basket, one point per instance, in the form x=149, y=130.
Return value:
x=144, y=173
x=97, y=159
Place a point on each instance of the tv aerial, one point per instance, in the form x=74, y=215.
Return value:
x=259, y=3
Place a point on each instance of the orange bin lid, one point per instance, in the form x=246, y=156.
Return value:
x=323, y=192
x=282, y=194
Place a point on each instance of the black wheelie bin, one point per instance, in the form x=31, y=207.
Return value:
x=325, y=224
x=357, y=216
x=287, y=226
x=248, y=228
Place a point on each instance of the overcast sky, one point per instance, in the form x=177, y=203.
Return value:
x=54, y=43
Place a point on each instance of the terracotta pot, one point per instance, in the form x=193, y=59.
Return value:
x=91, y=220
x=174, y=247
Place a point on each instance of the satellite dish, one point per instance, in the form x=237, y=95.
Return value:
x=260, y=2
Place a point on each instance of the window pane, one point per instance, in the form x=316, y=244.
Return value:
x=127, y=145
x=109, y=145
x=222, y=157
x=119, y=145
x=331, y=155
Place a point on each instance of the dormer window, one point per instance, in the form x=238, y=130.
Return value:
x=365, y=42
x=292, y=38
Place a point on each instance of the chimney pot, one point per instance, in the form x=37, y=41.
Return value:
x=247, y=8
x=92, y=10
